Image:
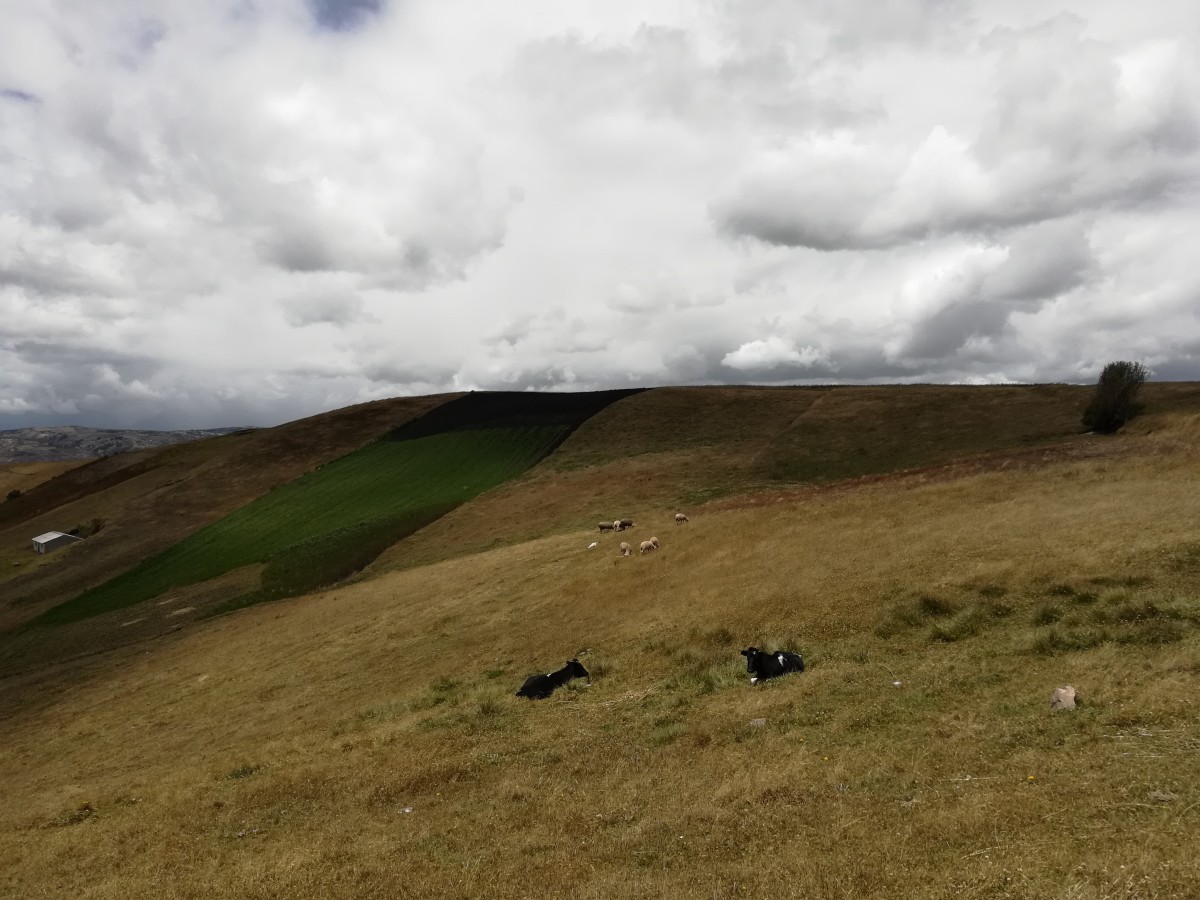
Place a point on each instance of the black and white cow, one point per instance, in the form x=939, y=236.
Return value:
x=539, y=687
x=763, y=665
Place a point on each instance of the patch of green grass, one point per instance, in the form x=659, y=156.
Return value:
x=314, y=563
x=1055, y=641
x=667, y=730
x=916, y=612
x=243, y=771
x=332, y=521
x=967, y=624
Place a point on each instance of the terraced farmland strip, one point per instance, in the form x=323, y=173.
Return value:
x=385, y=481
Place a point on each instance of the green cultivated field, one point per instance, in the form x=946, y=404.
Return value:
x=321, y=526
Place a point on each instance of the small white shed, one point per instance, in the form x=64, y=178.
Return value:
x=52, y=540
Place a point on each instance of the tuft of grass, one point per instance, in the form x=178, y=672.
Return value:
x=489, y=708
x=1071, y=593
x=243, y=771
x=74, y=816
x=996, y=610
x=917, y=612
x=932, y=606
x=1159, y=631
x=666, y=731
x=1047, y=615
x=1056, y=641
x=967, y=624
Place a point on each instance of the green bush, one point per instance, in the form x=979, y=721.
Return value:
x=1115, y=400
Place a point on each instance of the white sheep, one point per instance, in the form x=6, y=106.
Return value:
x=593, y=545
x=647, y=546
x=680, y=518
x=625, y=549
x=654, y=541
x=617, y=526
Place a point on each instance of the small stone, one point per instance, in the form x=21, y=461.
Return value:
x=757, y=723
x=1163, y=796
x=1064, y=698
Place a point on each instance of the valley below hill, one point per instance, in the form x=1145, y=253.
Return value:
x=68, y=443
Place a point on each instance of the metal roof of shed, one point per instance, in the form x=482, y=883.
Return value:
x=51, y=535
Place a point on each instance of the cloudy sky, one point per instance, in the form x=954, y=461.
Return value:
x=245, y=211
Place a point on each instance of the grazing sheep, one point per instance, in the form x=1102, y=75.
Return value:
x=655, y=542
x=606, y=526
x=647, y=546
x=627, y=523
x=539, y=687
x=680, y=518
x=617, y=526
x=625, y=549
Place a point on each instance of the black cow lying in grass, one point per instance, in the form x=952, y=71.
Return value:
x=763, y=665
x=539, y=687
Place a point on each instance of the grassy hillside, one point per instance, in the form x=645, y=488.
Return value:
x=24, y=477
x=364, y=742
x=389, y=487
x=333, y=520
x=151, y=499
x=680, y=447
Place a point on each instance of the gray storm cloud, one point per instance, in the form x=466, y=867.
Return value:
x=237, y=213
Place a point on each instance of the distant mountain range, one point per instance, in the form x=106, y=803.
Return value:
x=60, y=443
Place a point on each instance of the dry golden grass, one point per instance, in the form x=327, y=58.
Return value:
x=23, y=476
x=365, y=742
x=673, y=448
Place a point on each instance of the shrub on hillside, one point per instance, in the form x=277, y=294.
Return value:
x=1115, y=400
x=13, y=495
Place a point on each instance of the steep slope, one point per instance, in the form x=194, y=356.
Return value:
x=364, y=742
x=311, y=530
x=150, y=499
